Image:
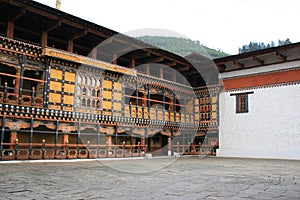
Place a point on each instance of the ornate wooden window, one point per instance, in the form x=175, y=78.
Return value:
x=89, y=91
x=242, y=102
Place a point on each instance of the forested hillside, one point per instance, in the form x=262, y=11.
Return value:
x=254, y=46
x=182, y=46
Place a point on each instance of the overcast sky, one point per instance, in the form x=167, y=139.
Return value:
x=219, y=24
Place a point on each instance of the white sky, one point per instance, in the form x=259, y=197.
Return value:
x=219, y=24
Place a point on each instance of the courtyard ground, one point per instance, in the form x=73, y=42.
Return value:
x=157, y=178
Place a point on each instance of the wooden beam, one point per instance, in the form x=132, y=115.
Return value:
x=258, y=60
x=79, y=35
x=55, y=26
x=152, y=60
x=283, y=57
x=11, y=23
x=184, y=68
x=18, y=15
x=241, y=65
x=170, y=64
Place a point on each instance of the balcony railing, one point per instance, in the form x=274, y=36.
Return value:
x=11, y=96
x=26, y=151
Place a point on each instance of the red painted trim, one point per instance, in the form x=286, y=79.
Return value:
x=262, y=79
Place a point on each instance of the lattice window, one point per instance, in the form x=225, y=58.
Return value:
x=242, y=105
x=89, y=91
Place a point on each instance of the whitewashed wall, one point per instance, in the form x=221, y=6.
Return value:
x=271, y=128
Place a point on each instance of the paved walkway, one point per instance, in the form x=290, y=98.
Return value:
x=163, y=178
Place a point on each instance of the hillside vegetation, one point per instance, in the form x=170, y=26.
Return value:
x=182, y=46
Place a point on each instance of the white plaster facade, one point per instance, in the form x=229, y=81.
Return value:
x=271, y=128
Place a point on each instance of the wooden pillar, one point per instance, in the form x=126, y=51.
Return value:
x=116, y=131
x=144, y=100
x=46, y=84
x=174, y=76
x=12, y=139
x=171, y=105
x=115, y=59
x=65, y=139
x=161, y=73
x=143, y=140
x=94, y=53
x=70, y=45
x=170, y=152
x=133, y=63
x=2, y=135
x=30, y=138
x=109, y=141
x=44, y=39
x=78, y=139
x=10, y=29
x=148, y=70
x=56, y=138
x=17, y=81
x=131, y=135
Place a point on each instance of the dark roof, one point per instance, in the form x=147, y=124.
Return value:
x=274, y=55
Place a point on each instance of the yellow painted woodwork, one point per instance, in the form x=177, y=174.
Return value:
x=177, y=117
x=107, y=105
x=118, y=114
x=118, y=86
x=197, y=117
x=214, y=107
x=107, y=94
x=166, y=115
x=69, y=88
x=192, y=119
x=140, y=112
x=70, y=76
x=54, y=107
x=57, y=86
x=54, y=73
x=187, y=118
x=214, y=115
x=171, y=116
x=146, y=113
x=196, y=101
x=55, y=98
x=65, y=108
x=196, y=108
x=117, y=106
x=127, y=111
x=160, y=115
x=68, y=99
x=133, y=111
x=207, y=100
x=214, y=99
x=182, y=118
x=118, y=96
x=152, y=113
x=106, y=113
x=107, y=84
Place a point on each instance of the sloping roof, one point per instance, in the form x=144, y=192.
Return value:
x=274, y=55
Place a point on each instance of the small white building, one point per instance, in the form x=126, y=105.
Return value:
x=259, y=106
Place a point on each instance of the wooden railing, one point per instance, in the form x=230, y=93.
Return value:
x=6, y=96
x=26, y=151
x=194, y=149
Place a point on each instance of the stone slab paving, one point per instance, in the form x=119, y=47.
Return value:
x=163, y=178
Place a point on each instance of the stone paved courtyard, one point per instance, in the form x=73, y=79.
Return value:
x=158, y=178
